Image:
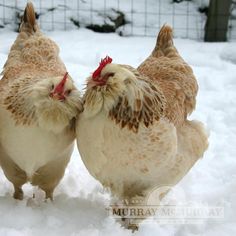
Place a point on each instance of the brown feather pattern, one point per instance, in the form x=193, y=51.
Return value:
x=15, y=102
x=174, y=77
x=148, y=105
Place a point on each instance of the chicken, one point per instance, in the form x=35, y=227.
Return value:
x=38, y=106
x=133, y=134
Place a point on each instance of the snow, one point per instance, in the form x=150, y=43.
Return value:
x=80, y=202
x=143, y=17
x=229, y=53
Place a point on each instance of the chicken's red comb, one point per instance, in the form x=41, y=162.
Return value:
x=60, y=86
x=102, y=64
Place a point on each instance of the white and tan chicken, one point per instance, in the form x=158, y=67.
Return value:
x=133, y=134
x=38, y=107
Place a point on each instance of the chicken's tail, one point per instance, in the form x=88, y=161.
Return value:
x=29, y=23
x=193, y=138
x=164, y=45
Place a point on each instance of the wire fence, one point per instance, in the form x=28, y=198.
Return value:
x=126, y=17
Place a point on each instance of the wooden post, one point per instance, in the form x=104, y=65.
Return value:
x=217, y=21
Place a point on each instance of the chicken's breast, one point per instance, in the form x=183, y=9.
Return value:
x=118, y=157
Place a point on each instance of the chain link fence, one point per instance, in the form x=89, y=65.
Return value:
x=126, y=17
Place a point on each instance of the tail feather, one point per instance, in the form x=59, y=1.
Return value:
x=29, y=23
x=193, y=137
x=164, y=45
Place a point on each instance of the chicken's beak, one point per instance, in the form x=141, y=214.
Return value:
x=56, y=96
x=99, y=81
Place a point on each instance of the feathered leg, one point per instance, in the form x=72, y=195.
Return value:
x=47, y=177
x=14, y=174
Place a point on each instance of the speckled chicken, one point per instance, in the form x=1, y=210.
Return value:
x=133, y=134
x=38, y=107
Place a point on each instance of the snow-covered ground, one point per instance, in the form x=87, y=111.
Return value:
x=80, y=201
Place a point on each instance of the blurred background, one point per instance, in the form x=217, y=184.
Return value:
x=209, y=20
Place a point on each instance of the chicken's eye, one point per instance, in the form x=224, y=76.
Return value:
x=52, y=86
x=68, y=92
x=109, y=75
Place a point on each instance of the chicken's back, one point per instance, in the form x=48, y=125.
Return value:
x=32, y=53
x=173, y=75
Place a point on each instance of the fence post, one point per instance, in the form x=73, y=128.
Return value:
x=217, y=21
